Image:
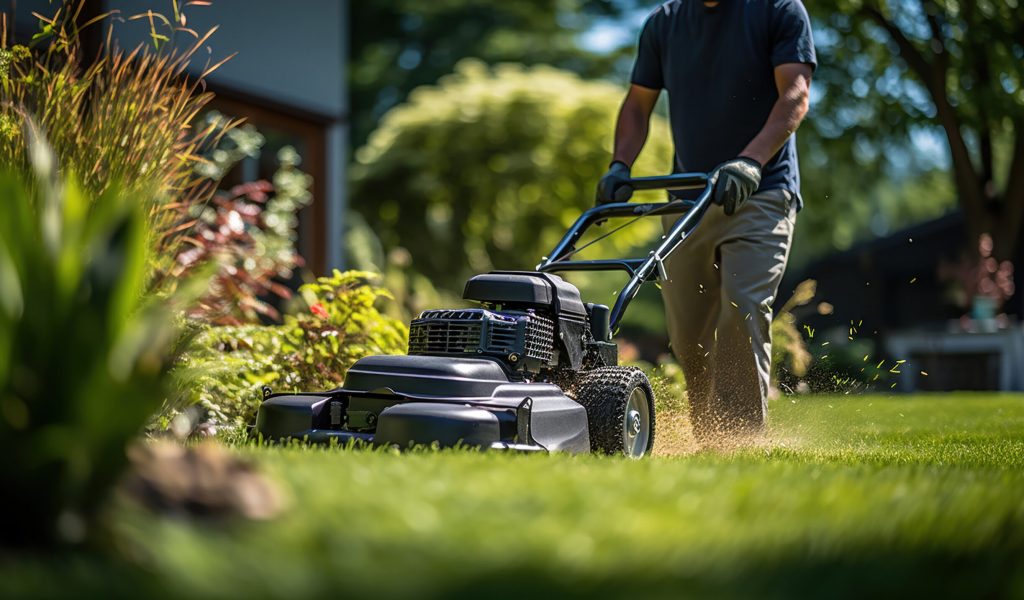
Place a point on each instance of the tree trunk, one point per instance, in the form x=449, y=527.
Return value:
x=1011, y=216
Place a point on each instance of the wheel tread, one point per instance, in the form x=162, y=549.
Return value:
x=604, y=393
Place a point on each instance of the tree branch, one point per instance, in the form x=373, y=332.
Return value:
x=933, y=13
x=987, y=156
x=910, y=53
x=933, y=75
x=977, y=57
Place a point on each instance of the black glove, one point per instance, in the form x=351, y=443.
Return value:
x=614, y=186
x=737, y=180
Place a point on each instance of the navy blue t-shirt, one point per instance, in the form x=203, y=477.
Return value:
x=717, y=66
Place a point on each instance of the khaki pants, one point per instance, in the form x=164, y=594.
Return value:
x=722, y=283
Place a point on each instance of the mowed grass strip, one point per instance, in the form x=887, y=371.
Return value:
x=854, y=494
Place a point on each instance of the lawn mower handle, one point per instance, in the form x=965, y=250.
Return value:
x=641, y=270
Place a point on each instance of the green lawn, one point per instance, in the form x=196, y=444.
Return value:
x=921, y=495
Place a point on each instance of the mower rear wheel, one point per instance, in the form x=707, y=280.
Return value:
x=620, y=410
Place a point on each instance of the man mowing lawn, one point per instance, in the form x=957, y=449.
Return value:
x=738, y=78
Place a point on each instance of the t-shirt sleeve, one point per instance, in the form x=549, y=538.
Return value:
x=792, y=41
x=647, y=68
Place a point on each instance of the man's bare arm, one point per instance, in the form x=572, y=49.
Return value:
x=633, y=123
x=793, y=81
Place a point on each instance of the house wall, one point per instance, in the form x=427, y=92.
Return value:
x=292, y=53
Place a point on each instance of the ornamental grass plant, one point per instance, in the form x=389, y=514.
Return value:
x=98, y=178
x=125, y=115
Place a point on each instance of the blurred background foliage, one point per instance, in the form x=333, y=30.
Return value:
x=402, y=44
x=486, y=171
x=908, y=88
x=875, y=148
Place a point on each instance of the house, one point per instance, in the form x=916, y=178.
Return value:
x=288, y=79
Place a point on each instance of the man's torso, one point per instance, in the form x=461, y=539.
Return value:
x=717, y=69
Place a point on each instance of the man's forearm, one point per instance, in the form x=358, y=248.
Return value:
x=787, y=114
x=630, y=133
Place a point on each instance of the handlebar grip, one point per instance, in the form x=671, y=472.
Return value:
x=678, y=181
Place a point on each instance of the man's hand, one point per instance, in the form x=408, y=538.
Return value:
x=614, y=186
x=737, y=180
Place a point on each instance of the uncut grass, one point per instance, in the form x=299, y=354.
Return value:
x=916, y=494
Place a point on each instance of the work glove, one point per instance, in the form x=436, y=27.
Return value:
x=614, y=186
x=737, y=180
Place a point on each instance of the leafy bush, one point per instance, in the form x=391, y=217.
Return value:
x=225, y=367
x=83, y=353
x=488, y=168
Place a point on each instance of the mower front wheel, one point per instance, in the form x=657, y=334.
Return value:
x=620, y=410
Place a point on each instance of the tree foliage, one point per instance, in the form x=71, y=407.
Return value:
x=892, y=69
x=402, y=44
x=487, y=169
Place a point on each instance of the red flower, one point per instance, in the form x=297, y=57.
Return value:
x=319, y=310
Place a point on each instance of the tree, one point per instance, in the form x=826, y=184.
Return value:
x=958, y=66
x=401, y=44
x=488, y=168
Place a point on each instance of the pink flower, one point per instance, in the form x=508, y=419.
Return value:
x=319, y=310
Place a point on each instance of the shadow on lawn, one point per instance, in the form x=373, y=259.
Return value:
x=996, y=572
x=993, y=572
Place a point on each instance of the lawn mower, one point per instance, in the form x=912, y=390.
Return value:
x=530, y=368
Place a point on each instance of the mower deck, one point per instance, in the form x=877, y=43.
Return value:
x=408, y=400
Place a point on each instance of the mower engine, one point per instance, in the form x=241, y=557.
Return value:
x=535, y=323
x=522, y=338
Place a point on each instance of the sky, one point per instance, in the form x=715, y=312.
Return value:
x=610, y=34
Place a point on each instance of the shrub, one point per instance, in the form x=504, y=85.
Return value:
x=225, y=367
x=83, y=353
